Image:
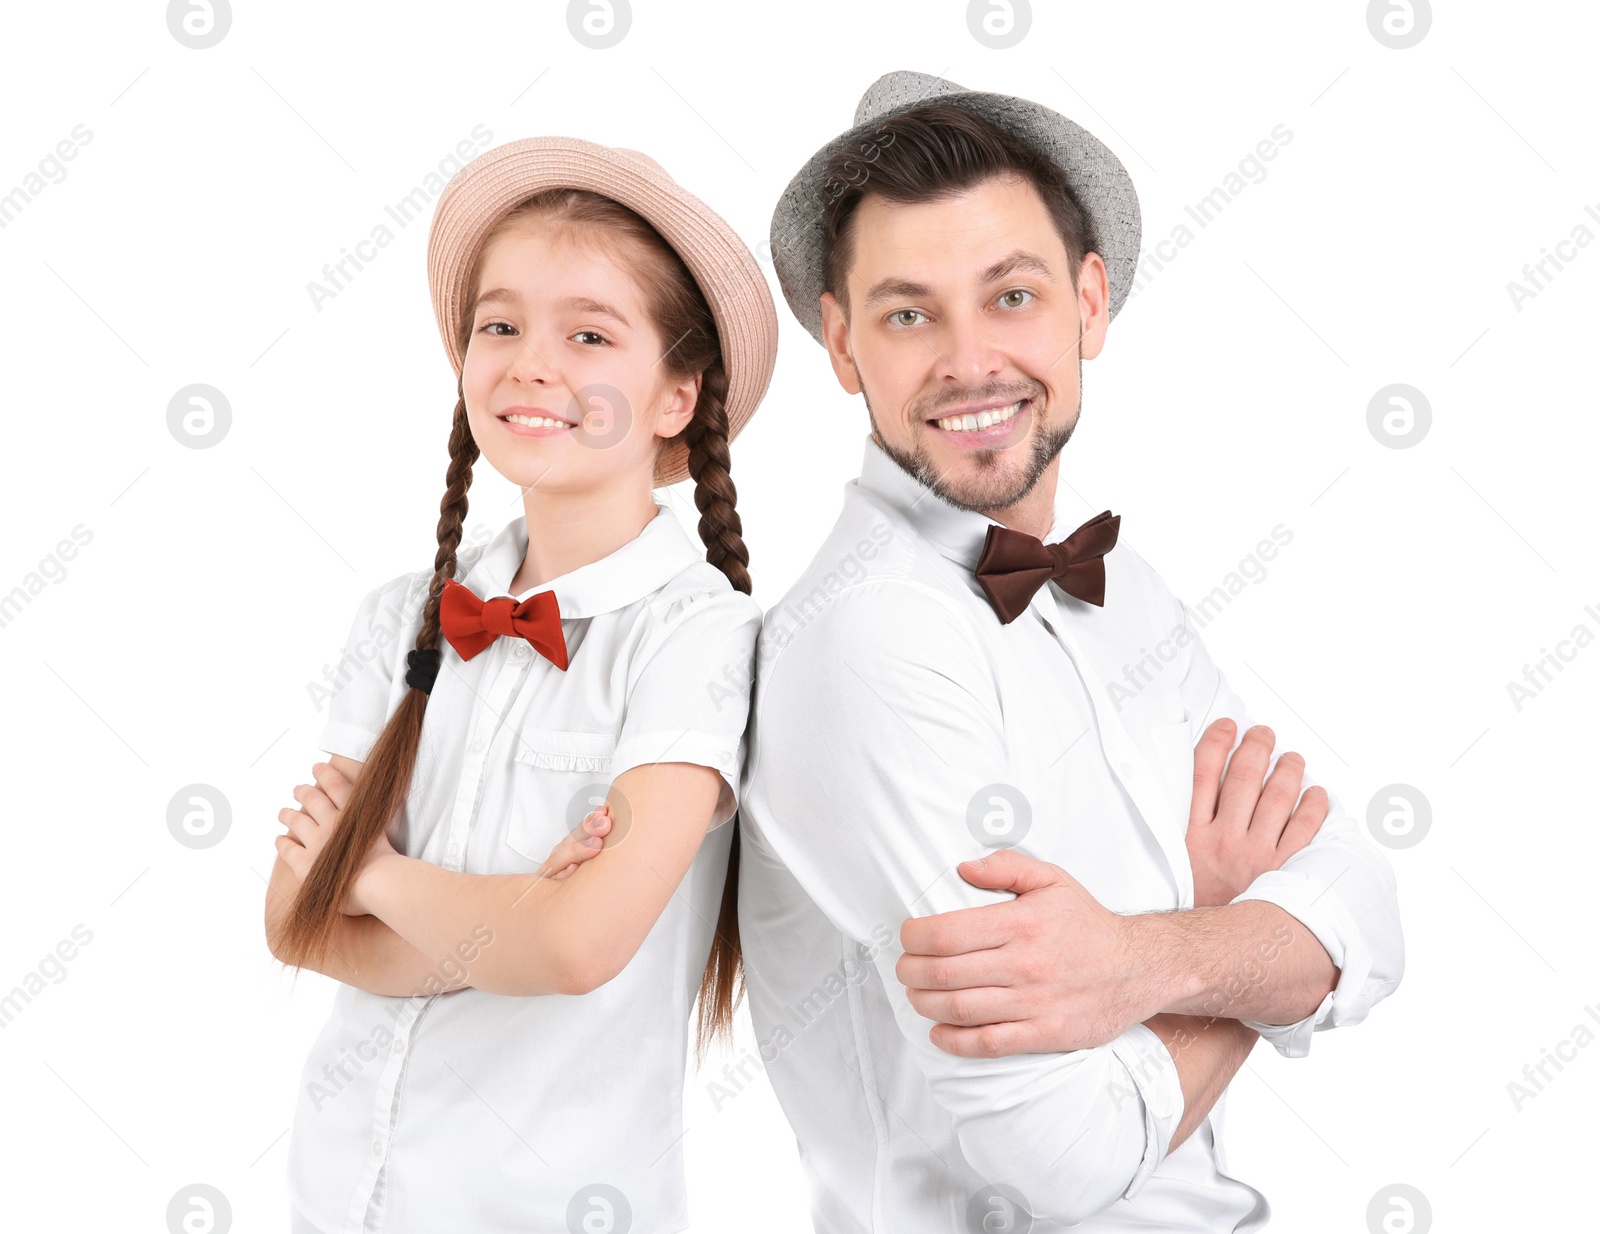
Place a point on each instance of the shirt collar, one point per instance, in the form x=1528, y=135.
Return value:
x=958, y=534
x=643, y=565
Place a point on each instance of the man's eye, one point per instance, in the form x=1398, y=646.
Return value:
x=1016, y=291
x=903, y=313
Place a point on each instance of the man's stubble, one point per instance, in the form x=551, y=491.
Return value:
x=1045, y=444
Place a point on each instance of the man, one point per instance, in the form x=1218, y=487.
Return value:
x=1028, y=1043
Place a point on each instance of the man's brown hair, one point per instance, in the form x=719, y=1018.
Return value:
x=932, y=152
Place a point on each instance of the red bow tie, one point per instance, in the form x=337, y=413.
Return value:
x=471, y=624
x=1014, y=565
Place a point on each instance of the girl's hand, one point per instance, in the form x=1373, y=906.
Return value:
x=309, y=826
x=321, y=804
x=583, y=842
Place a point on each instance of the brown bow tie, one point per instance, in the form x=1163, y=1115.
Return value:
x=1014, y=565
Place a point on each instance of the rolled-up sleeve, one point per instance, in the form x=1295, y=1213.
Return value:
x=1339, y=886
x=886, y=725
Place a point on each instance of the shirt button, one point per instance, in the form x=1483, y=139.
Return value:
x=520, y=651
x=377, y=1148
x=477, y=746
x=399, y=1046
x=1125, y=770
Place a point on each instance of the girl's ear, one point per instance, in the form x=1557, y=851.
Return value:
x=679, y=409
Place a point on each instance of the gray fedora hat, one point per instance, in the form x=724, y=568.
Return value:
x=1096, y=176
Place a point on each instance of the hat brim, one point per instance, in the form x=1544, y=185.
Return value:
x=491, y=185
x=1096, y=176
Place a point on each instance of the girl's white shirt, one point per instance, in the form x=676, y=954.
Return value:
x=552, y=1113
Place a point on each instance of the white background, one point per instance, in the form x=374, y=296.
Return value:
x=176, y=646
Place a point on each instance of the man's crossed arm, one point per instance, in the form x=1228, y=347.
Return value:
x=1054, y=970
x=1295, y=925
x=877, y=838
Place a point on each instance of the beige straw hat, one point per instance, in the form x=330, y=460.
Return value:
x=488, y=187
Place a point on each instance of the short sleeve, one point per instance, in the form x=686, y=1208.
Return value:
x=369, y=679
x=689, y=698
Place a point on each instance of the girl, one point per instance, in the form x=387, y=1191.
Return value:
x=506, y=1051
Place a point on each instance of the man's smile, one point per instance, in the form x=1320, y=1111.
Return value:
x=985, y=426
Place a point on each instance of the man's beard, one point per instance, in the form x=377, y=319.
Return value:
x=980, y=498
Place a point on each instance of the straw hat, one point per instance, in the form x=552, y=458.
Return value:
x=486, y=189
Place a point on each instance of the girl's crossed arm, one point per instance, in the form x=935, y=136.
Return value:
x=366, y=952
x=552, y=934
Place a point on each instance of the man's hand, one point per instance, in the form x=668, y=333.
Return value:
x=1050, y=970
x=1238, y=829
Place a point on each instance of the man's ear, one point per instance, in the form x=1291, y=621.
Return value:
x=836, y=336
x=1094, y=305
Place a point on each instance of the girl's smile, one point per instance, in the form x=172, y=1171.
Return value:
x=534, y=422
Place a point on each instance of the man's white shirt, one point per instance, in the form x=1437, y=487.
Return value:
x=898, y=728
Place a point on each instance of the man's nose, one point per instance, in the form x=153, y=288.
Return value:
x=968, y=352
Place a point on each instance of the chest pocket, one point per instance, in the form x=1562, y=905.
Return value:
x=558, y=776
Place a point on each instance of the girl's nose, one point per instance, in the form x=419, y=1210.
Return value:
x=529, y=362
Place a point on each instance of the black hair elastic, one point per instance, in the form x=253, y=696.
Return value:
x=422, y=667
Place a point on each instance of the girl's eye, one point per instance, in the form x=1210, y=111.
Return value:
x=1015, y=291
x=592, y=334
x=902, y=313
x=488, y=326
